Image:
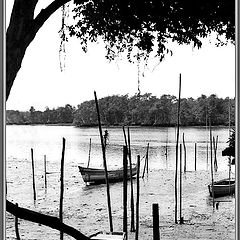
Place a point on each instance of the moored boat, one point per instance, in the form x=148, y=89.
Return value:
x=97, y=175
x=222, y=187
x=109, y=236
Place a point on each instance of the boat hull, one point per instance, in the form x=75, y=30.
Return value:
x=109, y=236
x=96, y=175
x=222, y=188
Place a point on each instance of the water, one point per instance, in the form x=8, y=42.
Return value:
x=47, y=140
x=85, y=206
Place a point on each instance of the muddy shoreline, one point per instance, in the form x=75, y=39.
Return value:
x=85, y=207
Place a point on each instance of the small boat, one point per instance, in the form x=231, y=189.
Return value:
x=97, y=175
x=109, y=236
x=222, y=187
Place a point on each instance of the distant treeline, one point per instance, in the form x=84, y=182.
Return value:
x=60, y=115
x=145, y=110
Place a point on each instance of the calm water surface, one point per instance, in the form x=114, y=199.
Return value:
x=47, y=140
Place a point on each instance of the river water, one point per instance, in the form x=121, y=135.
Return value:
x=47, y=140
x=84, y=205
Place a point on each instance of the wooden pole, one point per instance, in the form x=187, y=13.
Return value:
x=156, y=234
x=105, y=164
x=62, y=187
x=125, y=190
x=89, y=153
x=180, y=186
x=178, y=120
x=45, y=170
x=166, y=153
x=214, y=164
x=144, y=168
x=229, y=117
x=229, y=131
x=195, y=156
x=137, y=201
x=125, y=137
x=147, y=158
x=207, y=137
x=185, y=154
x=215, y=154
x=146, y=162
x=34, y=189
x=211, y=157
x=16, y=226
x=207, y=154
x=131, y=181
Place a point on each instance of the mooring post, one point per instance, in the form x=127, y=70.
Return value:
x=144, y=168
x=34, y=189
x=147, y=157
x=89, y=153
x=215, y=154
x=185, y=154
x=156, y=234
x=214, y=162
x=195, y=156
x=62, y=186
x=207, y=155
x=45, y=171
x=131, y=180
x=125, y=137
x=211, y=157
x=105, y=164
x=125, y=191
x=180, y=183
x=16, y=226
x=178, y=120
x=137, y=200
x=207, y=138
x=146, y=162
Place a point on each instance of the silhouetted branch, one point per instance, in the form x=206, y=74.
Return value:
x=43, y=219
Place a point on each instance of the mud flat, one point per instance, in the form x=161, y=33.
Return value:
x=85, y=207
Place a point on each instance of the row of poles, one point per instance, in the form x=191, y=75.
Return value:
x=213, y=147
x=45, y=178
x=127, y=156
x=45, y=172
x=127, y=153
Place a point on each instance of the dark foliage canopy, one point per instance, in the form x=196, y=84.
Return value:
x=139, y=25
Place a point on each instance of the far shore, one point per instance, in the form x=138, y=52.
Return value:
x=112, y=126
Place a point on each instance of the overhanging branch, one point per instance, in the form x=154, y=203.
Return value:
x=48, y=11
x=43, y=219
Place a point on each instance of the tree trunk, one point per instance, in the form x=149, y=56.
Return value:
x=21, y=31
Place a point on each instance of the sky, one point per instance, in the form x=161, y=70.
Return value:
x=40, y=82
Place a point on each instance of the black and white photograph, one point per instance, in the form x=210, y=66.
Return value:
x=120, y=119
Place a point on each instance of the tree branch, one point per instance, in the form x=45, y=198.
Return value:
x=48, y=11
x=43, y=219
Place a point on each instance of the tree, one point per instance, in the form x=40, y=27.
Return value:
x=133, y=25
x=230, y=150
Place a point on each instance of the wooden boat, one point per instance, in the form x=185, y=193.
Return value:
x=97, y=175
x=109, y=236
x=222, y=187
